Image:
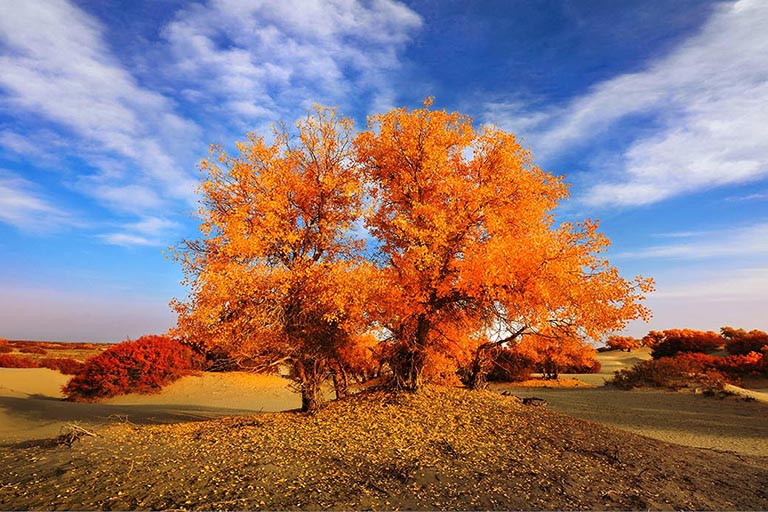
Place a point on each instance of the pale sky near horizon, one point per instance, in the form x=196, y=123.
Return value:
x=654, y=110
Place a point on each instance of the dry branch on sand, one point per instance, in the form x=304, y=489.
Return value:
x=71, y=433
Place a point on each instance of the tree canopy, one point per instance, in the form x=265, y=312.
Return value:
x=465, y=254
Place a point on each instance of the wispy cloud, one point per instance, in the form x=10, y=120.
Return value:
x=744, y=241
x=735, y=284
x=269, y=60
x=708, y=98
x=756, y=196
x=23, y=207
x=57, y=65
x=149, y=231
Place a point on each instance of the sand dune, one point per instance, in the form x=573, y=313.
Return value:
x=31, y=405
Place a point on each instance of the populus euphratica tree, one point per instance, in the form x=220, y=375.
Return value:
x=471, y=254
x=277, y=274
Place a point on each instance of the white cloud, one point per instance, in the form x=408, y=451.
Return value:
x=273, y=59
x=739, y=241
x=23, y=207
x=722, y=285
x=709, y=98
x=57, y=65
x=149, y=231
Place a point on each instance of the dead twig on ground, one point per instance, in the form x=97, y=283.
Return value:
x=73, y=432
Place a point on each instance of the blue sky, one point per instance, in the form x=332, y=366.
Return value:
x=655, y=110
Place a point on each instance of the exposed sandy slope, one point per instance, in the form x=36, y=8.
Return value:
x=31, y=405
x=676, y=417
x=682, y=418
x=440, y=449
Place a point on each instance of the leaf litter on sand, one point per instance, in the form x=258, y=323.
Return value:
x=440, y=448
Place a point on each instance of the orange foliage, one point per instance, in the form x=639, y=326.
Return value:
x=671, y=341
x=14, y=361
x=465, y=226
x=278, y=274
x=556, y=354
x=739, y=341
x=627, y=343
x=466, y=244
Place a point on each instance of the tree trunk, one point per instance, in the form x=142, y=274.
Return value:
x=340, y=381
x=308, y=376
x=407, y=367
x=409, y=357
x=479, y=369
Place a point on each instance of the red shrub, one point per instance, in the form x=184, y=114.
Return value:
x=684, y=370
x=5, y=347
x=510, y=366
x=31, y=349
x=674, y=341
x=744, y=365
x=592, y=366
x=67, y=366
x=741, y=342
x=12, y=361
x=141, y=366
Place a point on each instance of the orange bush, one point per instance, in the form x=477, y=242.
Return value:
x=682, y=371
x=673, y=341
x=67, y=366
x=510, y=366
x=4, y=346
x=741, y=342
x=627, y=343
x=31, y=349
x=12, y=361
x=141, y=366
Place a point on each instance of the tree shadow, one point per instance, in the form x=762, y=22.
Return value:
x=54, y=413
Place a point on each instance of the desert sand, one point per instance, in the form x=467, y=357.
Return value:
x=729, y=424
x=439, y=449
x=171, y=450
x=31, y=405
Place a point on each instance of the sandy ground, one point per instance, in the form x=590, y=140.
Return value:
x=683, y=418
x=31, y=405
x=440, y=449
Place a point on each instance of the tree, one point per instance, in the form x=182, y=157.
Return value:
x=669, y=342
x=278, y=274
x=627, y=343
x=553, y=354
x=741, y=342
x=467, y=238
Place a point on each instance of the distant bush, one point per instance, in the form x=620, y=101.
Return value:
x=67, y=366
x=673, y=341
x=5, y=347
x=741, y=342
x=671, y=372
x=627, y=343
x=592, y=366
x=510, y=366
x=141, y=366
x=31, y=349
x=12, y=361
x=738, y=366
